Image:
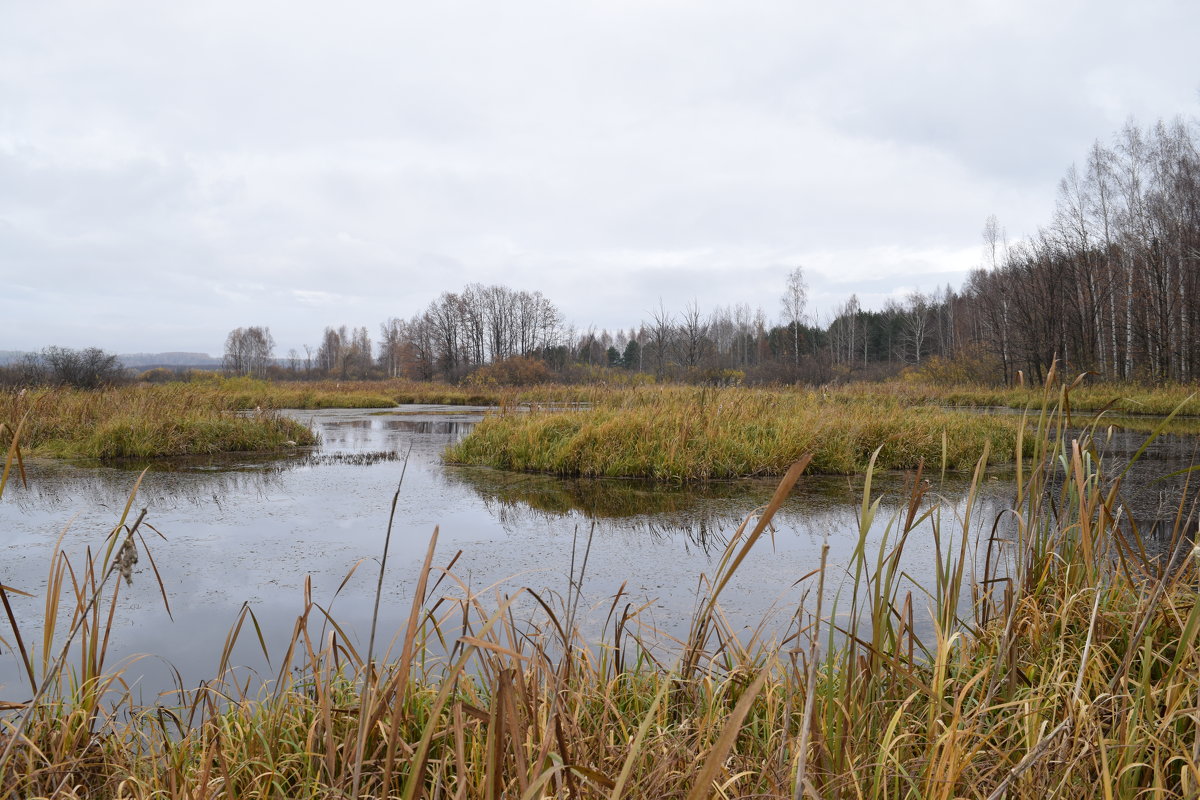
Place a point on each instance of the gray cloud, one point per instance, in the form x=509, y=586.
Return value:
x=171, y=171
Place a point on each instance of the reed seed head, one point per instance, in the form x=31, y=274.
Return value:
x=126, y=559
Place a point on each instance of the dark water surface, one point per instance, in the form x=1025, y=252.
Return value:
x=255, y=529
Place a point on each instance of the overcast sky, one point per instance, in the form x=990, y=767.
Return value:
x=169, y=171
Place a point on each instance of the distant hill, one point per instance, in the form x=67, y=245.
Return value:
x=138, y=361
x=148, y=360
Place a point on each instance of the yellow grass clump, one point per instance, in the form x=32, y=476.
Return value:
x=144, y=422
x=685, y=434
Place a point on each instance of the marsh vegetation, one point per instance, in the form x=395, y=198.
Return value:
x=1069, y=662
x=139, y=422
x=685, y=434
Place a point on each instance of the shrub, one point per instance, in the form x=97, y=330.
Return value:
x=513, y=371
x=90, y=368
x=159, y=375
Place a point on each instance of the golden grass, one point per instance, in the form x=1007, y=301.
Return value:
x=1126, y=399
x=667, y=432
x=205, y=416
x=687, y=434
x=1119, y=398
x=143, y=422
x=1073, y=671
x=249, y=393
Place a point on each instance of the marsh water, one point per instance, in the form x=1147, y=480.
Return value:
x=258, y=530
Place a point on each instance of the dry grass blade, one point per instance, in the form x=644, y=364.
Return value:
x=635, y=747
x=86, y=604
x=368, y=687
x=810, y=683
x=231, y=639
x=16, y=629
x=734, y=556
x=418, y=763
x=403, y=670
x=1030, y=760
x=14, y=454
x=703, y=786
x=162, y=587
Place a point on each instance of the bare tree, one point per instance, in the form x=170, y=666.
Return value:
x=795, y=298
x=393, y=336
x=358, y=356
x=249, y=351
x=331, y=355
x=1113, y=283
x=995, y=247
x=692, y=341
x=916, y=323
x=661, y=331
x=89, y=368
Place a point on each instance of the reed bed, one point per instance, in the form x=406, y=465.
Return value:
x=1125, y=399
x=686, y=434
x=660, y=432
x=143, y=422
x=246, y=393
x=1118, y=398
x=1067, y=667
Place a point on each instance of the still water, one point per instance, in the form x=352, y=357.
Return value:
x=254, y=530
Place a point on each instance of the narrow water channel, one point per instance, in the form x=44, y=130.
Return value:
x=254, y=530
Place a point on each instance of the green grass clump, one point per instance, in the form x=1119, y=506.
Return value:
x=684, y=434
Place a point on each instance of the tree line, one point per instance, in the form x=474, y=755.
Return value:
x=495, y=331
x=1110, y=285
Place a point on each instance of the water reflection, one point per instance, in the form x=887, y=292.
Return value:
x=595, y=498
x=699, y=516
x=1145, y=424
x=61, y=486
x=171, y=483
x=439, y=427
x=1159, y=493
x=346, y=440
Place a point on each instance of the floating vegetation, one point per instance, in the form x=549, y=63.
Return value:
x=358, y=459
x=425, y=412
